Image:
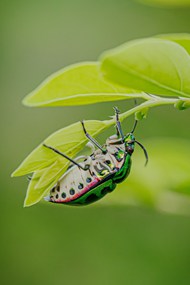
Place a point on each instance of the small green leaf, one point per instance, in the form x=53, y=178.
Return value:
x=181, y=39
x=69, y=140
x=78, y=84
x=179, y=105
x=152, y=65
x=182, y=104
x=34, y=195
x=186, y=104
x=142, y=114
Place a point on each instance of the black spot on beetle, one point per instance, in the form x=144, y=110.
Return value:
x=57, y=196
x=63, y=195
x=105, y=191
x=72, y=191
x=92, y=198
x=88, y=179
x=80, y=186
x=53, y=190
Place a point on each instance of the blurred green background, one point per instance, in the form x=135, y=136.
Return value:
x=102, y=243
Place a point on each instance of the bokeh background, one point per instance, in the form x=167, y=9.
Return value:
x=111, y=243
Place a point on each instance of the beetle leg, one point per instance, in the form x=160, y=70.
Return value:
x=65, y=156
x=118, y=124
x=92, y=139
x=117, y=132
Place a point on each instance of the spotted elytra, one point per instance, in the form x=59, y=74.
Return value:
x=90, y=178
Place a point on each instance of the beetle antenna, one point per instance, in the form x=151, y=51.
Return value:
x=134, y=127
x=145, y=152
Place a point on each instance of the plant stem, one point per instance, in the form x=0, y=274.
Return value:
x=152, y=101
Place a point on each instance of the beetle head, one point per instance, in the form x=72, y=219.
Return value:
x=129, y=142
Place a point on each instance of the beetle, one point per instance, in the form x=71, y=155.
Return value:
x=90, y=178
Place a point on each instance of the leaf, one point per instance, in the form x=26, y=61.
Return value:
x=34, y=195
x=186, y=104
x=181, y=39
x=78, y=84
x=69, y=140
x=50, y=173
x=166, y=3
x=152, y=65
x=182, y=104
x=142, y=114
x=43, y=181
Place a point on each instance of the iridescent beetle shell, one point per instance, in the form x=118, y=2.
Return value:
x=82, y=187
x=96, y=175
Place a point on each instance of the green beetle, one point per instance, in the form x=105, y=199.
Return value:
x=96, y=175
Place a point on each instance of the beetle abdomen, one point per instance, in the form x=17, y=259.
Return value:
x=94, y=194
x=82, y=187
x=76, y=183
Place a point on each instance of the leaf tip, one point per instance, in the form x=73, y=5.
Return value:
x=18, y=172
x=28, y=203
x=14, y=173
x=25, y=205
x=26, y=101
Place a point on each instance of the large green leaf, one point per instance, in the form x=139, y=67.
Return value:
x=78, y=84
x=153, y=65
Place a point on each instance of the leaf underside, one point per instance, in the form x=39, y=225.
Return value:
x=154, y=65
x=78, y=84
x=49, y=166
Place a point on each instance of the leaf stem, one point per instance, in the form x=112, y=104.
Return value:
x=152, y=101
